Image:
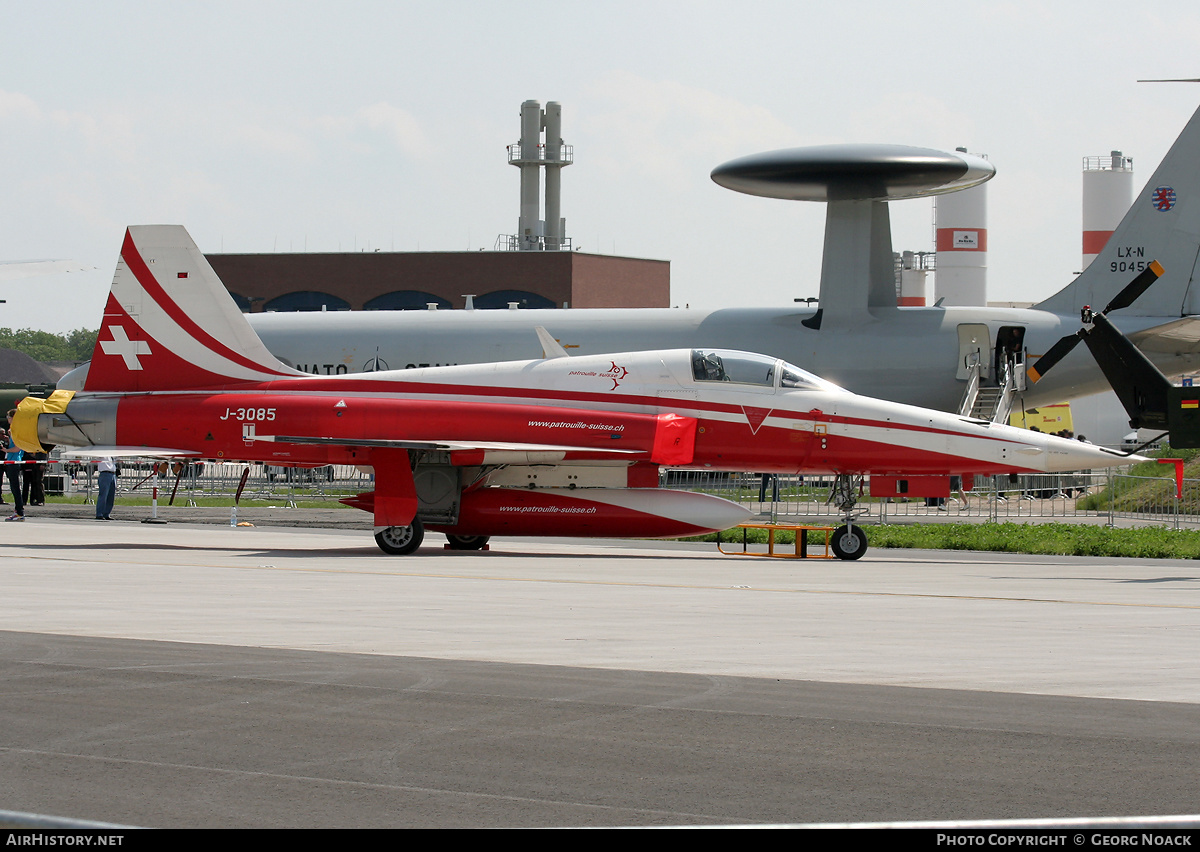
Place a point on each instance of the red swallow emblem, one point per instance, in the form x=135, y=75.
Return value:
x=614, y=369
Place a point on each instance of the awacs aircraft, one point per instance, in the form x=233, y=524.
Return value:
x=857, y=337
x=556, y=446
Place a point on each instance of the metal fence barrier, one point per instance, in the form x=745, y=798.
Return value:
x=1045, y=496
x=217, y=480
x=788, y=499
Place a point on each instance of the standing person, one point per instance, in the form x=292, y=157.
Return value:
x=12, y=468
x=108, y=488
x=34, y=491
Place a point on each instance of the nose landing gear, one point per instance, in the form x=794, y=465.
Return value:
x=848, y=541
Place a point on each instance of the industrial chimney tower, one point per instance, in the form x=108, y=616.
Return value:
x=530, y=155
x=1107, y=194
x=960, y=225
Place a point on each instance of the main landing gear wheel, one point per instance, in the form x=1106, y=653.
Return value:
x=467, y=542
x=400, y=541
x=849, y=542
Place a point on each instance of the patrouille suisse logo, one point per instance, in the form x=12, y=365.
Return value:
x=615, y=372
x=1163, y=198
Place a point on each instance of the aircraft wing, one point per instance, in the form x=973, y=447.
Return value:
x=1176, y=337
x=128, y=453
x=492, y=446
x=487, y=446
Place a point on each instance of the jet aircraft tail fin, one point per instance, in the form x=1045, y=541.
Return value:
x=1164, y=224
x=170, y=324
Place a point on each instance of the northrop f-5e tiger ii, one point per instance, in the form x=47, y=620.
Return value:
x=556, y=446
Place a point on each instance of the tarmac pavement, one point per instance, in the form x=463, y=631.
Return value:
x=186, y=675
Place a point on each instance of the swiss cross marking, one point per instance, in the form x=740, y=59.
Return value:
x=124, y=347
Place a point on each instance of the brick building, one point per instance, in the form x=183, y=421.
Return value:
x=412, y=280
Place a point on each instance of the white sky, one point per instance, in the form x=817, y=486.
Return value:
x=286, y=126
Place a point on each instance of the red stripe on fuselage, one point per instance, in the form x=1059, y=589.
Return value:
x=519, y=395
x=212, y=425
x=539, y=398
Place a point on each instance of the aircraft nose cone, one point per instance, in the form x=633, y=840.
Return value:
x=1064, y=455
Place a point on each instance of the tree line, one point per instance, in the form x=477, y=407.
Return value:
x=76, y=345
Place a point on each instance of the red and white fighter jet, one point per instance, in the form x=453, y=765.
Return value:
x=558, y=446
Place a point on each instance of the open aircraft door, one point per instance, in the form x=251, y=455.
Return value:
x=974, y=347
x=1009, y=361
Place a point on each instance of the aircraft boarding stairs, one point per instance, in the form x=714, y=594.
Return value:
x=993, y=402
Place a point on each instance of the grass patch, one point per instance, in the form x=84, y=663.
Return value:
x=1156, y=490
x=1045, y=539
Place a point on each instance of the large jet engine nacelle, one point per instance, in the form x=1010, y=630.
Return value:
x=593, y=512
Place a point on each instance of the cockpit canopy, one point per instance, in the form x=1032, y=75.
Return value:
x=747, y=368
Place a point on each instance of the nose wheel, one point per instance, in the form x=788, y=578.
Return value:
x=848, y=542
x=400, y=541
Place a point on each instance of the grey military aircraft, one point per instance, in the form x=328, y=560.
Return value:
x=856, y=336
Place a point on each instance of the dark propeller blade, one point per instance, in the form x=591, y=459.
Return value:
x=1136, y=287
x=1128, y=295
x=1055, y=354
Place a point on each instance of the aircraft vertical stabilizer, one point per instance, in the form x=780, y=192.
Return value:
x=1164, y=225
x=169, y=322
